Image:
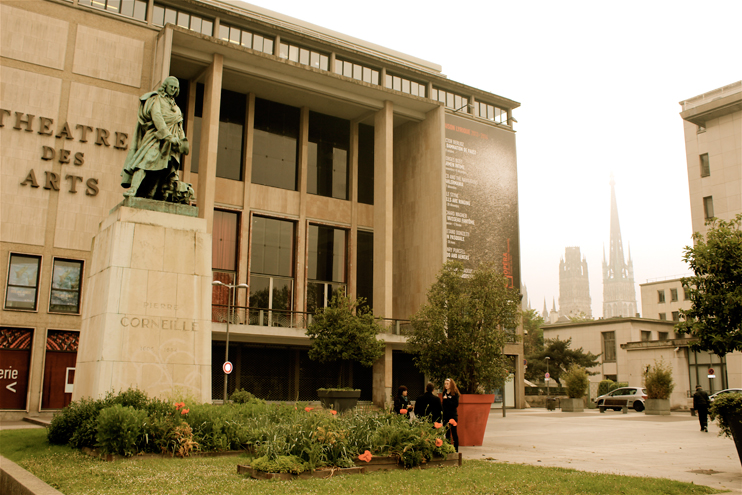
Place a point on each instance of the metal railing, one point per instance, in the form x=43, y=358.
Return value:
x=242, y=315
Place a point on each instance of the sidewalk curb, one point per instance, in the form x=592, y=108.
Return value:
x=14, y=480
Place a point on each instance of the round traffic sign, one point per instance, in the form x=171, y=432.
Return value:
x=227, y=367
x=547, y=375
x=711, y=371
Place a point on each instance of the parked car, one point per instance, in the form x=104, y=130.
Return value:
x=725, y=391
x=632, y=397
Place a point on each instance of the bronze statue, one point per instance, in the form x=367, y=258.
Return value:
x=151, y=167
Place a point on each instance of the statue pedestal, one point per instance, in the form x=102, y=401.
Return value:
x=147, y=305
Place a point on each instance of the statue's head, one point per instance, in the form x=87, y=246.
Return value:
x=170, y=86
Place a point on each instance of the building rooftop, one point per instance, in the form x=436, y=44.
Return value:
x=713, y=104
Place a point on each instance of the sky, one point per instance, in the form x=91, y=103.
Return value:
x=599, y=85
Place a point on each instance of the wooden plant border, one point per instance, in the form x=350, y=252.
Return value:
x=377, y=463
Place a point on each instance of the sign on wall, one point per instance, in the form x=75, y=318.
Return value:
x=482, y=196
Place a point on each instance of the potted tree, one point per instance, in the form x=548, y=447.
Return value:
x=726, y=411
x=344, y=331
x=576, y=379
x=658, y=381
x=460, y=333
x=714, y=320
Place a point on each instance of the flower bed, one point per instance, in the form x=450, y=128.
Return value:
x=285, y=438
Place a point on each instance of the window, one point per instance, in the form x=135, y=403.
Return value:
x=491, y=112
x=326, y=265
x=705, y=166
x=327, y=162
x=365, y=164
x=708, y=207
x=232, y=110
x=451, y=100
x=136, y=9
x=398, y=83
x=646, y=335
x=304, y=56
x=271, y=264
x=660, y=296
x=162, y=15
x=673, y=295
x=275, y=149
x=676, y=316
x=23, y=282
x=224, y=255
x=609, y=347
x=66, y=286
x=245, y=38
x=357, y=71
x=663, y=316
x=662, y=335
x=365, y=267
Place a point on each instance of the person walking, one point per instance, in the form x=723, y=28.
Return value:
x=429, y=404
x=450, y=406
x=701, y=405
x=402, y=402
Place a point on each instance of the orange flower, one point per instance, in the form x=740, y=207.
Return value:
x=438, y=442
x=437, y=425
x=366, y=456
x=334, y=412
x=452, y=422
x=307, y=409
x=178, y=405
x=184, y=411
x=403, y=411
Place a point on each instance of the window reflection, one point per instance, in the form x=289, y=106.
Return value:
x=327, y=160
x=326, y=254
x=275, y=149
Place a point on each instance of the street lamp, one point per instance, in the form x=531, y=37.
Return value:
x=230, y=287
x=548, y=399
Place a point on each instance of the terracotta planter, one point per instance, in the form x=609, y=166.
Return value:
x=474, y=411
x=572, y=405
x=339, y=400
x=657, y=407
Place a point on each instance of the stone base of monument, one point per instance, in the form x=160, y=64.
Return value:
x=147, y=304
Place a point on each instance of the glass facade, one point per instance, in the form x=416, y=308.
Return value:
x=136, y=9
x=162, y=15
x=365, y=267
x=304, y=56
x=275, y=145
x=451, y=100
x=326, y=265
x=246, y=38
x=356, y=71
x=271, y=264
x=398, y=83
x=365, y=164
x=327, y=163
x=231, y=133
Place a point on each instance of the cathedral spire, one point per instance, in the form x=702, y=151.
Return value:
x=619, y=294
x=616, y=261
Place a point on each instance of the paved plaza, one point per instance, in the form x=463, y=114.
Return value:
x=631, y=444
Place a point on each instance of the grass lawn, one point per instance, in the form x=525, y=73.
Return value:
x=74, y=473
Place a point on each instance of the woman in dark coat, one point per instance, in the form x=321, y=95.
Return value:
x=450, y=404
x=401, y=401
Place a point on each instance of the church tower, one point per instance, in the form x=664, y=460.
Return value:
x=574, y=287
x=619, y=295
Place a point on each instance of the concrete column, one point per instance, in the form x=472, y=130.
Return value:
x=353, y=196
x=209, y=142
x=301, y=228
x=382, y=380
x=244, y=262
x=383, y=210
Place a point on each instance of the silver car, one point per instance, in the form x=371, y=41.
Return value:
x=632, y=397
x=725, y=391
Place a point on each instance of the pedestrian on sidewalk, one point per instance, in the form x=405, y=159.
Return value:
x=429, y=404
x=701, y=405
x=450, y=403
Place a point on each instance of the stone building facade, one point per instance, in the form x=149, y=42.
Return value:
x=574, y=285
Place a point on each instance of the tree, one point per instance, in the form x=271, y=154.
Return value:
x=462, y=329
x=345, y=332
x=533, y=335
x=715, y=289
x=561, y=358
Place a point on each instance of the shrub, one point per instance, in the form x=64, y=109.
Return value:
x=120, y=429
x=658, y=380
x=605, y=387
x=281, y=464
x=242, y=396
x=723, y=407
x=577, y=381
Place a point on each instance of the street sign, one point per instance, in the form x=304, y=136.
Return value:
x=547, y=376
x=711, y=373
x=546, y=379
x=227, y=367
x=525, y=362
